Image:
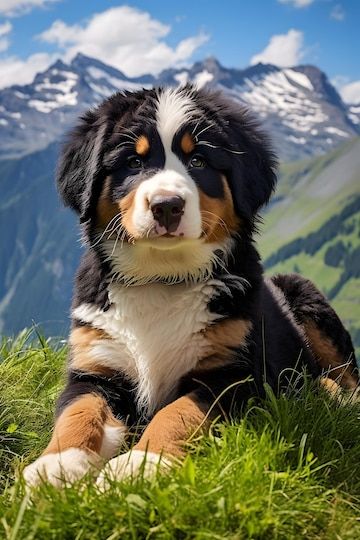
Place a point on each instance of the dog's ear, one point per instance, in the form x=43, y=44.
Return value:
x=252, y=164
x=254, y=169
x=80, y=165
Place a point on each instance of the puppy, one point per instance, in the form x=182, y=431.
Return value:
x=173, y=323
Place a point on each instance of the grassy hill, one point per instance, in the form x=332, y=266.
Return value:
x=289, y=469
x=313, y=227
x=309, y=193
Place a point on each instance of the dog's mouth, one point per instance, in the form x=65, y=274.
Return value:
x=169, y=235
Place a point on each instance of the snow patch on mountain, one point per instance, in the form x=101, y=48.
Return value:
x=182, y=78
x=299, y=78
x=354, y=114
x=202, y=78
x=297, y=106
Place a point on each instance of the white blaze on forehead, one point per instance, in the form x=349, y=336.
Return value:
x=175, y=107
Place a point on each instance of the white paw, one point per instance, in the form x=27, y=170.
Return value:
x=65, y=466
x=133, y=463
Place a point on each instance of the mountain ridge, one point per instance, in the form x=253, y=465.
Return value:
x=298, y=106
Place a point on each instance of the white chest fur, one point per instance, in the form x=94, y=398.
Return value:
x=156, y=333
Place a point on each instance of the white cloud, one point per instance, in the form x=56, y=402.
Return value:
x=337, y=13
x=282, y=50
x=4, y=40
x=5, y=29
x=350, y=92
x=297, y=3
x=124, y=37
x=16, y=71
x=14, y=8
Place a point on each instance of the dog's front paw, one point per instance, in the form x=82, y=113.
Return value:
x=66, y=466
x=133, y=463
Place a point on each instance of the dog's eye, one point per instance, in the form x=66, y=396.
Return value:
x=134, y=162
x=197, y=162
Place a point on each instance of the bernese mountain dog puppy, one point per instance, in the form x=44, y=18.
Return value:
x=173, y=322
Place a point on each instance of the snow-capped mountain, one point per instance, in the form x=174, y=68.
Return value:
x=354, y=114
x=299, y=108
x=34, y=115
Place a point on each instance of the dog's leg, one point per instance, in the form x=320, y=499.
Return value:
x=86, y=431
x=162, y=441
x=211, y=393
x=328, y=340
x=85, y=434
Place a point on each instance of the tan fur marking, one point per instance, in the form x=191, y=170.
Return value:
x=218, y=215
x=329, y=358
x=330, y=385
x=187, y=143
x=172, y=426
x=224, y=337
x=81, y=340
x=81, y=425
x=106, y=210
x=126, y=205
x=142, y=145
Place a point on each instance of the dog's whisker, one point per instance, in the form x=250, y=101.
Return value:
x=126, y=143
x=218, y=220
x=196, y=125
x=211, y=145
x=130, y=132
x=212, y=124
x=110, y=228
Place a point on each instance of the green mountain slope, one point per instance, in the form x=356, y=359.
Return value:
x=38, y=246
x=313, y=227
x=309, y=193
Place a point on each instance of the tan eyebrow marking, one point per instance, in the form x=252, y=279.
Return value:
x=187, y=143
x=142, y=145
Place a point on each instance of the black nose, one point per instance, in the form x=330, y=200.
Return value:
x=167, y=211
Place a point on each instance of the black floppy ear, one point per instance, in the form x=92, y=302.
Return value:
x=80, y=165
x=254, y=170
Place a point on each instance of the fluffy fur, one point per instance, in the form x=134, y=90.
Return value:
x=173, y=321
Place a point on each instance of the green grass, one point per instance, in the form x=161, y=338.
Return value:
x=289, y=469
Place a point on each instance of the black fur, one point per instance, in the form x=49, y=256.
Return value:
x=234, y=147
x=309, y=304
x=116, y=390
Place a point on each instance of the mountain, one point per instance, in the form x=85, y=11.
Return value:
x=354, y=114
x=39, y=246
x=298, y=106
x=37, y=114
x=311, y=225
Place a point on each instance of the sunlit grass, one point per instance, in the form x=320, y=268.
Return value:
x=289, y=469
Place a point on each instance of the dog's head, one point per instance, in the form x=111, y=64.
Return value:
x=164, y=179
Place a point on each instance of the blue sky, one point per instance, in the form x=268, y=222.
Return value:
x=147, y=36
